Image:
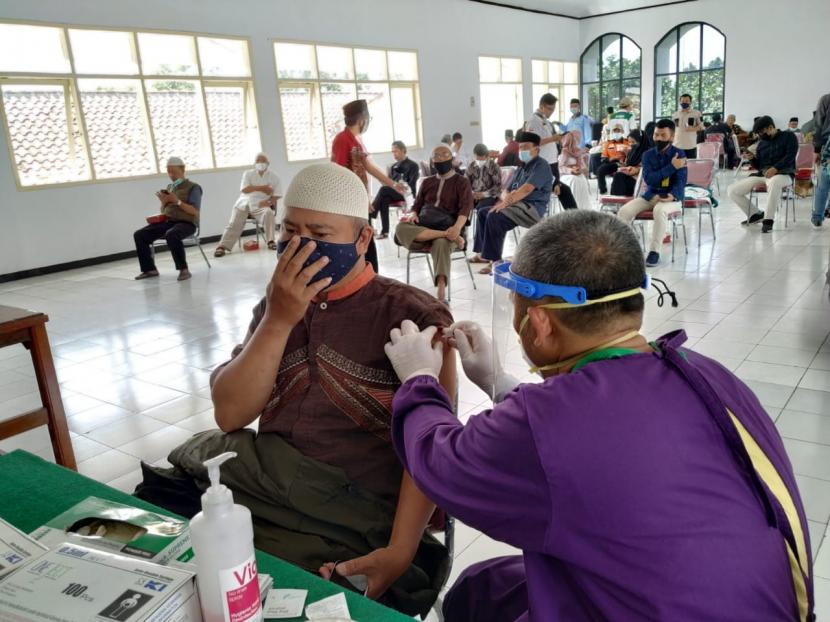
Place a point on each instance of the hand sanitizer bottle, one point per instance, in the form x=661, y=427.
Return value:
x=223, y=544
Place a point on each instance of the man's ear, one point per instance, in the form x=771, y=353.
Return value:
x=366, y=234
x=543, y=324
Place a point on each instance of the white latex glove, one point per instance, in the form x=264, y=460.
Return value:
x=411, y=351
x=478, y=361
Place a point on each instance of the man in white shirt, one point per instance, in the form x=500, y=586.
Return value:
x=259, y=192
x=539, y=123
x=461, y=155
x=688, y=123
x=624, y=117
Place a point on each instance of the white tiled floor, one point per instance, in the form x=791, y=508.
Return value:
x=134, y=358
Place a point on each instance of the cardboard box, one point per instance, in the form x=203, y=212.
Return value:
x=73, y=583
x=16, y=548
x=110, y=526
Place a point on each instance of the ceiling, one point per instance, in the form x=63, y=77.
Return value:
x=581, y=9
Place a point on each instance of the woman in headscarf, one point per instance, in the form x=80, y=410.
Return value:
x=625, y=179
x=573, y=168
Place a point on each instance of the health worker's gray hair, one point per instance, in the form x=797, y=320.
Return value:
x=590, y=249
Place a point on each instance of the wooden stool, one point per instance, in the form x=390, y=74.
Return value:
x=29, y=328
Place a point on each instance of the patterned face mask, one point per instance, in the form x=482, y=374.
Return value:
x=342, y=258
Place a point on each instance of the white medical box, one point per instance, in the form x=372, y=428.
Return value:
x=16, y=548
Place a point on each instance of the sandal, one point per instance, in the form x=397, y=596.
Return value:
x=488, y=270
x=220, y=251
x=272, y=246
x=477, y=259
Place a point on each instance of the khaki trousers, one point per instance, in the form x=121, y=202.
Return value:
x=739, y=192
x=661, y=209
x=264, y=216
x=440, y=250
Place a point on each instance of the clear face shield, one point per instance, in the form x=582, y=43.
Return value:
x=509, y=357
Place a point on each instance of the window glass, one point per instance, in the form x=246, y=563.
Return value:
x=380, y=135
x=178, y=120
x=302, y=122
x=370, y=64
x=103, y=52
x=45, y=133
x=224, y=57
x=334, y=63
x=233, y=124
x=119, y=139
x=36, y=49
x=403, y=66
x=163, y=55
x=295, y=60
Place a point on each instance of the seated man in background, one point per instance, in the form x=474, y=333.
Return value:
x=664, y=174
x=180, y=203
x=523, y=204
x=403, y=171
x=259, y=192
x=461, y=155
x=320, y=476
x=484, y=176
x=510, y=154
x=719, y=127
x=774, y=160
x=792, y=125
x=441, y=209
x=614, y=152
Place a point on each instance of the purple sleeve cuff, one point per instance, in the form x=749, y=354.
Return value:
x=428, y=403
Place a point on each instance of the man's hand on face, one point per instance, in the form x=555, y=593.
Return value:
x=289, y=293
x=678, y=162
x=771, y=172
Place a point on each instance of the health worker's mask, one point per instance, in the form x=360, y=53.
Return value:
x=342, y=258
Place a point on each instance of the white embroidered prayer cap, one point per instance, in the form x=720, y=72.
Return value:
x=328, y=188
x=175, y=161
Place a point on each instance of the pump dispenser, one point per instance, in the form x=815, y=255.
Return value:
x=222, y=535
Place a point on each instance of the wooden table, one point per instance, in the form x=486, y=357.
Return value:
x=29, y=328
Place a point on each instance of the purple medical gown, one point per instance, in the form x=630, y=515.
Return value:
x=619, y=488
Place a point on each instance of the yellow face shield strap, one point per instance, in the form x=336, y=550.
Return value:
x=567, y=305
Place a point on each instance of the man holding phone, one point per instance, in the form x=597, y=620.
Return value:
x=664, y=175
x=179, y=207
x=687, y=124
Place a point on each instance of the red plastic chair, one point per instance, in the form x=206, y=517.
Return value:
x=612, y=203
x=701, y=173
x=787, y=196
x=676, y=220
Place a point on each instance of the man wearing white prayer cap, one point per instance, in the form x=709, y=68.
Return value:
x=313, y=374
x=177, y=220
x=258, y=195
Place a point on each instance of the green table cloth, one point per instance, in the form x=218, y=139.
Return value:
x=32, y=491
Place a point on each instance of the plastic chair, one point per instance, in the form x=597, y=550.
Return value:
x=711, y=150
x=700, y=173
x=424, y=252
x=187, y=242
x=612, y=203
x=676, y=220
x=787, y=196
x=257, y=230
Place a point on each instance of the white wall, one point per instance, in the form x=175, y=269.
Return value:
x=776, y=59
x=55, y=225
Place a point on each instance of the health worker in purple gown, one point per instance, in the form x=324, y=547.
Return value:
x=641, y=481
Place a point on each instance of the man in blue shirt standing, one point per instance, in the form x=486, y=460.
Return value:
x=664, y=176
x=580, y=122
x=522, y=205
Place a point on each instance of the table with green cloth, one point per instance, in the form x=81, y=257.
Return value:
x=33, y=491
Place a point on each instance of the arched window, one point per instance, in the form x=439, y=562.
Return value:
x=691, y=59
x=609, y=69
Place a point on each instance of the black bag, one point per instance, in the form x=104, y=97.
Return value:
x=435, y=218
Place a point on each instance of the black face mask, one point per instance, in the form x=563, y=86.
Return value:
x=765, y=137
x=661, y=144
x=443, y=167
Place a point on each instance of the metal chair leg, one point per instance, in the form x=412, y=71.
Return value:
x=408, y=260
x=429, y=265
x=470, y=270
x=201, y=250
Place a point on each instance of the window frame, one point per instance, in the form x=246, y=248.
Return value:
x=316, y=81
x=620, y=80
x=520, y=84
x=699, y=71
x=9, y=77
x=560, y=86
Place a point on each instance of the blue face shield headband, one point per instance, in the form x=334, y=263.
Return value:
x=573, y=297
